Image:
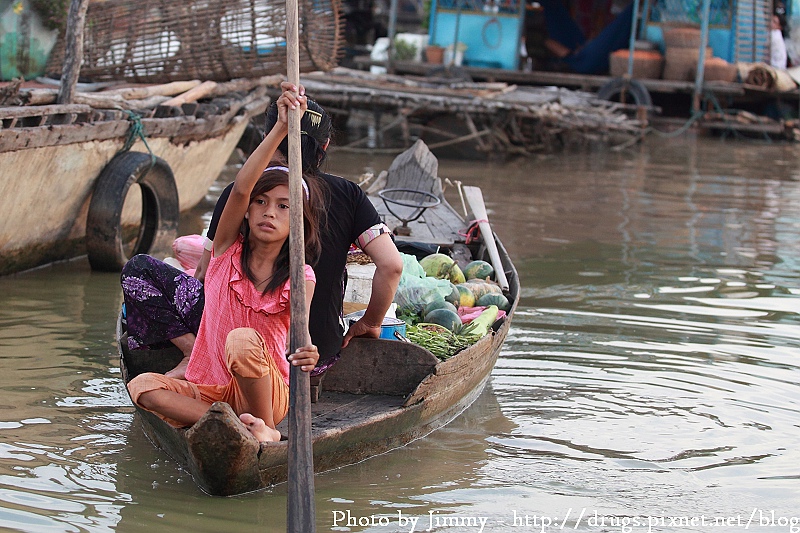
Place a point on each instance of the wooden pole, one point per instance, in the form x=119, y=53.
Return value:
x=392, y=34
x=475, y=201
x=73, y=52
x=300, y=495
x=701, y=59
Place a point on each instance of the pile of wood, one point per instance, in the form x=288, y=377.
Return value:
x=185, y=111
x=150, y=101
x=495, y=118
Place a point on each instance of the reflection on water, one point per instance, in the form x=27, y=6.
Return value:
x=650, y=376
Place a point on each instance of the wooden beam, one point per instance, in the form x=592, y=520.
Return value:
x=73, y=53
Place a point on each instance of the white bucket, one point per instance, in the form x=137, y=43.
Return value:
x=459, y=58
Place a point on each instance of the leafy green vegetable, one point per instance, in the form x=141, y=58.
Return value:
x=438, y=340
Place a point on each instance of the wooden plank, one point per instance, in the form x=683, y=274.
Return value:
x=32, y=111
x=380, y=366
x=192, y=95
x=165, y=89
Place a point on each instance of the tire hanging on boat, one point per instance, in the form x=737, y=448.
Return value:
x=160, y=209
x=631, y=89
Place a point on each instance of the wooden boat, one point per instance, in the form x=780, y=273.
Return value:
x=381, y=395
x=66, y=170
x=54, y=159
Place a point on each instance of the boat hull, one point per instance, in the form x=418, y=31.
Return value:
x=224, y=459
x=47, y=175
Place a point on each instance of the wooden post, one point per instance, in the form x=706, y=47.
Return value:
x=73, y=52
x=300, y=494
x=392, y=34
x=475, y=201
x=701, y=59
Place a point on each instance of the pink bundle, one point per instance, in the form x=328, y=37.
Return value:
x=188, y=250
x=468, y=314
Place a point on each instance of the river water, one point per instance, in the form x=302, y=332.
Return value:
x=649, y=380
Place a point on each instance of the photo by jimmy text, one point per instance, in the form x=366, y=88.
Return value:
x=409, y=523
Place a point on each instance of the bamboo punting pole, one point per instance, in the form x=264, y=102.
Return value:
x=300, y=492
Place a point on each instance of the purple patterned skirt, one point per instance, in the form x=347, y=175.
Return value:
x=161, y=302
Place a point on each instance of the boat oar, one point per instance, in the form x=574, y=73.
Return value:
x=300, y=507
x=475, y=200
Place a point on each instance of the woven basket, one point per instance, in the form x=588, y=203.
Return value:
x=681, y=63
x=159, y=41
x=647, y=64
x=682, y=38
x=682, y=55
x=717, y=69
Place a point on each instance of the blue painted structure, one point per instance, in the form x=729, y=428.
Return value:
x=491, y=31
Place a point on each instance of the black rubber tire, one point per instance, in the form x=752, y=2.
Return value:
x=633, y=89
x=160, y=209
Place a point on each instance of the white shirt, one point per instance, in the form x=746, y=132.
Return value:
x=778, y=57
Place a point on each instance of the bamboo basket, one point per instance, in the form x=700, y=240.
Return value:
x=158, y=41
x=682, y=37
x=681, y=63
x=647, y=64
x=717, y=69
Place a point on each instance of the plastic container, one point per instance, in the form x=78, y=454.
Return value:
x=391, y=328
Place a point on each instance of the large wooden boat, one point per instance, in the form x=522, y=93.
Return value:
x=66, y=169
x=381, y=395
x=55, y=159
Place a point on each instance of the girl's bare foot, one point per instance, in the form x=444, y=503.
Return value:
x=261, y=431
x=179, y=372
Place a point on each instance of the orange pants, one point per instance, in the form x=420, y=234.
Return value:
x=247, y=357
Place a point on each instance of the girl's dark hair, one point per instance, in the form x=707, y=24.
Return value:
x=313, y=246
x=316, y=127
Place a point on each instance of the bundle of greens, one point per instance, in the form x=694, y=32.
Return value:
x=444, y=343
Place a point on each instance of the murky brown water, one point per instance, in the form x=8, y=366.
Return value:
x=650, y=379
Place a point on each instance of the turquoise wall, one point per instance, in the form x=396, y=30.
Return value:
x=24, y=43
x=492, y=39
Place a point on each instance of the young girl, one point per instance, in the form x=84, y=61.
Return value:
x=238, y=356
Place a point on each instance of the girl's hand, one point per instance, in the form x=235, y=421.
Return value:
x=305, y=357
x=291, y=98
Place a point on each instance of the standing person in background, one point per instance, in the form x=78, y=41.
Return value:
x=778, y=55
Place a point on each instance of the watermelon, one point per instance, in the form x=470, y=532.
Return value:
x=437, y=265
x=479, y=288
x=491, y=298
x=465, y=296
x=444, y=317
x=442, y=266
x=438, y=304
x=454, y=296
x=478, y=270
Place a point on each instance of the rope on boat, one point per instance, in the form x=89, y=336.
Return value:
x=137, y=131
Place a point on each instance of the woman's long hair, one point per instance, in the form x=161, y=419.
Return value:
x=268, y=181
x=316, y=129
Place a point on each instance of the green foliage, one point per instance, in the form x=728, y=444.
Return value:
x=404, y=50
x=426, y=14
x=53, y=13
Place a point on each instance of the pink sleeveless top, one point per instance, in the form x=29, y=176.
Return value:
x=231, y=301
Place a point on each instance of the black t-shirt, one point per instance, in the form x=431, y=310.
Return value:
x=349, y=213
